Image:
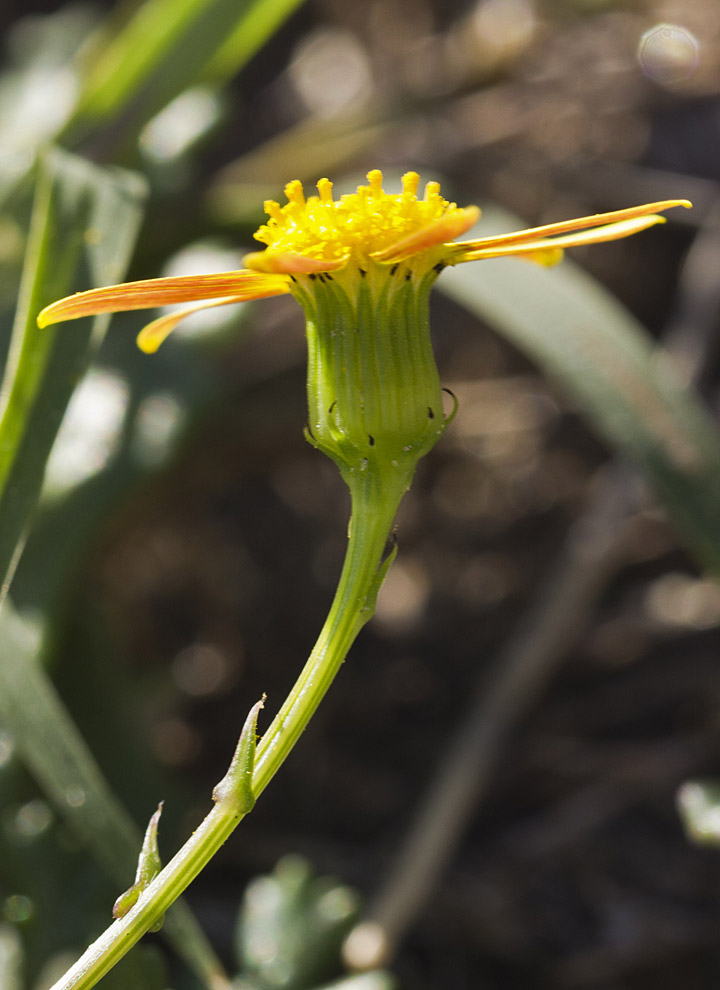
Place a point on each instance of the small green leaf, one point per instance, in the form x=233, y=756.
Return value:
x=235, y=790
x=149, y=865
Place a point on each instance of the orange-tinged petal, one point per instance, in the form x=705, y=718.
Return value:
x=441, y=231
x=272, y=262
x=547, y=247
x=161, y=292
x=151, y=336
x=469, y=249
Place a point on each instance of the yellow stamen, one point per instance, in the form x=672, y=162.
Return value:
x=375, y=178
x=273, y=210
x=295, y=193
x=324, y=187
x=410, y=182
x=361, y=225
x=432, y=191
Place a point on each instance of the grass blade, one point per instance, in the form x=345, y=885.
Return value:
x=166, y=47
x=84, y=224
x=56, y=755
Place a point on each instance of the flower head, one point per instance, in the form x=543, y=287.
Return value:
x=368, y=231
x=322, y=234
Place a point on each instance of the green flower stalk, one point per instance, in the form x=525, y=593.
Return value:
x=362, y=268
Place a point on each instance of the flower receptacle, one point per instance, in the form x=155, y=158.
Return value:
x=374, y=396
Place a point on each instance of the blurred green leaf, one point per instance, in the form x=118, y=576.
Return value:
x=698, y=802
x=260, y=20
x=143, y=969
x=84, y=224
x=165, y=48
x=315, y=146
x=37, y=82
x=291, y=927
x=618, y=378
x=11, y=957
x=53, y=750
x=376, y=980
x=49, y=745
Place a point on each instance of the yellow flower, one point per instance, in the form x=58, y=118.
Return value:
x=367, y=235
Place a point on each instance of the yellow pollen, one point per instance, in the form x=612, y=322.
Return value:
x=356, y=226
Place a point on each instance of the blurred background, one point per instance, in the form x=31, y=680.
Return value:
x=542, y=605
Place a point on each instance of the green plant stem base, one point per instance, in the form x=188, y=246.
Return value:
x=375, y=499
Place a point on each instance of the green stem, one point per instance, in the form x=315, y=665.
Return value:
x=373, y=512
x=375, y=499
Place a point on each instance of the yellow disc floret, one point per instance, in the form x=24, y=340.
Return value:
x=361, y=225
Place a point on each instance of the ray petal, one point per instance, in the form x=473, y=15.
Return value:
x=272, y=262
x=547, y=247
x=441, y=231
x=151, y=336
x=465, y=248
x=163, y=291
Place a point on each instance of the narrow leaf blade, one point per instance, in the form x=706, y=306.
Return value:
x=84, y=224
x=166, y=47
